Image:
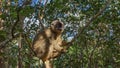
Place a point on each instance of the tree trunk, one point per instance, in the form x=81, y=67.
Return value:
x=19, y=52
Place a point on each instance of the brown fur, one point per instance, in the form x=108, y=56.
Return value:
x=47, y=44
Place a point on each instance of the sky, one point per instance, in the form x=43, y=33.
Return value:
x=34, y=2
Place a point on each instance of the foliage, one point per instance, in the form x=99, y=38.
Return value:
x=97, y=47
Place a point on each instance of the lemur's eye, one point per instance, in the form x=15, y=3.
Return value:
x=52, y=24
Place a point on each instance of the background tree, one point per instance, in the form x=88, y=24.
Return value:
x=97, y=46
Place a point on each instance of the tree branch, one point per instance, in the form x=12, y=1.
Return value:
x=89, y=22
x=41, y=17
x=14, y=25
x=19, y=51
x=29, y=43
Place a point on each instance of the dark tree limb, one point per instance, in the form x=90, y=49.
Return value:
x=18, y=9
x=15, y=24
